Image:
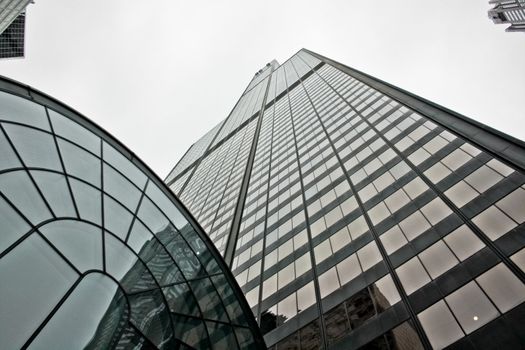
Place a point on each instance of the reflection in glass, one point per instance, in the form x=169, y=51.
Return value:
x=181, y=300
x=151, y=316
x=209, y=300
x=124, y=266
x=191, y=331
x=221, y=335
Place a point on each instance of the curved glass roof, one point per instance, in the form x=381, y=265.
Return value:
x=95, y=252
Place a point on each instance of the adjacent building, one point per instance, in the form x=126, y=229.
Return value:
x=95, y=251
x=12, y=28
x=509, y=11
x=354, y=214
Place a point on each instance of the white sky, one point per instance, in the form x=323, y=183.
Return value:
x=158, y=74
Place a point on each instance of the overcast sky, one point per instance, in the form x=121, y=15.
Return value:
x=158, y=74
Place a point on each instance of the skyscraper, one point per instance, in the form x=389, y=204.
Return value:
x=509, y=11
x=356, y=214
x=12, y=28
x=95, y=251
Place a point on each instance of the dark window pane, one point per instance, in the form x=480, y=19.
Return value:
x=310, y=336
x=360, y=308
x=231, y=302
x=209, y=300
x=150, y=315
x=291, y=342
x=337, y=324
x=221, y=336
x=181, y=300
x=191, y=331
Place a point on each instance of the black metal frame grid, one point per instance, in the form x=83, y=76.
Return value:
x=17, y=89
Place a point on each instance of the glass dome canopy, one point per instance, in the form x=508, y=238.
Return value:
x=95, y=251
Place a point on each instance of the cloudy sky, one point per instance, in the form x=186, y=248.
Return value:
x=158, y=74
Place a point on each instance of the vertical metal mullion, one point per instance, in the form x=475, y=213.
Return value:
x=62, y=164
x=102, y=205
x=135, y=214
x=237, y=216
x=308, y=231
x=382, y=250
x=263, y=259
x=226, y=187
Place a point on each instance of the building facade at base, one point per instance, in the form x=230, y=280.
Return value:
x=355, y=214
x=95, y=251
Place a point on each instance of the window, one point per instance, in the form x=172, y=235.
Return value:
x=393, y=239
x=348, y=269
x=328, y=282
x=412, y=275
x=503, y=287
x=461, y=193
x=435, y=211
x=439, y=325
x=483, y=178
x=438, y=259
x=437, y=172
x=494, y=223
x=369, y=255
x=471, y=307
x=414, y=225
x=463, y=242
x=514, y=205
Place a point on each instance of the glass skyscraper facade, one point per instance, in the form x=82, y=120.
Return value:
x=95, y=251
x=12, y=28
x=354, y=214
